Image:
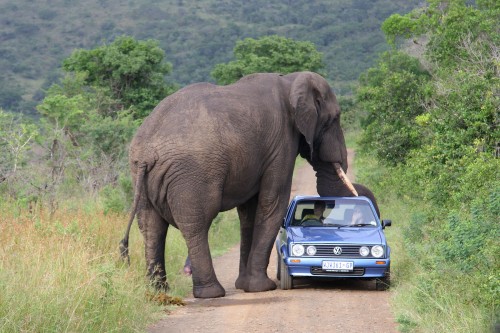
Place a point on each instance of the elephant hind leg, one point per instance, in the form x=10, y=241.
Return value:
x=254, y=254
x=246, y=213
x=194, y=228
x=154, y=229
x=205, y=283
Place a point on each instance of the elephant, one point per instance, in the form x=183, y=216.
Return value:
x=208, y=148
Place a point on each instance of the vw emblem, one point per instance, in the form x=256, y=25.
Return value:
x=337, y=250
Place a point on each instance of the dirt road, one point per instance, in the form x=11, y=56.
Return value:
x=343, y=306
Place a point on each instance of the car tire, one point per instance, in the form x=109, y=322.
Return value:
x=286, y=281
x=384, y=283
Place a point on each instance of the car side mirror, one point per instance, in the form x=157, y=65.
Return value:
x=386, y=223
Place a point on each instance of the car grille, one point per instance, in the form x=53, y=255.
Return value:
x=348, y=251
x=357, y=271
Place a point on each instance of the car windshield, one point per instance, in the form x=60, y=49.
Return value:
x=334, y=213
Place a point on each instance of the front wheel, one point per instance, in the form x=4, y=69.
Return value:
x=384, y=283
x=286, y=281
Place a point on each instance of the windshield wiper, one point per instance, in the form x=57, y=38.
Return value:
x=335, y=225
x=361, y=225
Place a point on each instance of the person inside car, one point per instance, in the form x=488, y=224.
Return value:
x=357, y=216
x=319, y=209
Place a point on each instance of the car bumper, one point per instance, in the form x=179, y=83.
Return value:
x=363, y=268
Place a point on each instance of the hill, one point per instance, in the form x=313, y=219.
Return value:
x=35, y=36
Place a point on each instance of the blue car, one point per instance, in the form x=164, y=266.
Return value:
x=333, y=237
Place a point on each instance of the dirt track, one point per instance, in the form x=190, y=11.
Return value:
x=312, y=306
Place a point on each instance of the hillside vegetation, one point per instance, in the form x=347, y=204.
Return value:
x=35, y=36
x=432, y=110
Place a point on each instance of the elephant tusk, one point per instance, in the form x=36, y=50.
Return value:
x=344, y=178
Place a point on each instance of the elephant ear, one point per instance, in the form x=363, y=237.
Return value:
x=304, y=109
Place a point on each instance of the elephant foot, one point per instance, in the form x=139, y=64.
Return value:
x=260, y=284
x=160, y=285
x=209, y=291
x=158, y=278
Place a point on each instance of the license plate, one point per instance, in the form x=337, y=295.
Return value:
x=338, y=266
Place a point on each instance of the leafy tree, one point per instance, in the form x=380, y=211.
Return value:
x=82, y=147
x=460, y=108
x=129, y=72
x=15, y=143
x=392, y=96
x=76, y=112
x=448, y=23
x=452, y=175
x=268, y=55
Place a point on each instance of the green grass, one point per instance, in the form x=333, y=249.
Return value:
x=63, y=273
x=351, y=135
x=429, y=294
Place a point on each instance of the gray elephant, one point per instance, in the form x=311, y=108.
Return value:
x=208, y=149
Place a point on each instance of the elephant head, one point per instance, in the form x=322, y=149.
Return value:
x=317, y=117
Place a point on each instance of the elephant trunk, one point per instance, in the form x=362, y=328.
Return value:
x=331, y=180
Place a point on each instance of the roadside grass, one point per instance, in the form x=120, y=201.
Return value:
x=426, y=305
x=429, y=294
x=351, y=134
x=62, y=273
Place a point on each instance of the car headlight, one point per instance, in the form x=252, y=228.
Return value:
x=377, y=251
x=364, y=251
x=298, y=250
x=311, y=250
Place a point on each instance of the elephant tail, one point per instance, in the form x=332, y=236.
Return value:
x=137, y=197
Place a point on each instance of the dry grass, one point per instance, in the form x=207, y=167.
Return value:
x=63, y=273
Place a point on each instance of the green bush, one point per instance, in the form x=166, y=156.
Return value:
x=445, y=252
x=114, y=199
x=392, y=96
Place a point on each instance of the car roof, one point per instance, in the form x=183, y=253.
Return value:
x=317, y=197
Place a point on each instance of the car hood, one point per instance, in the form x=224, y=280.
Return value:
x=335, y=235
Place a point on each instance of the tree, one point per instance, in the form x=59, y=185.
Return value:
x=447, y=23
x=461, y=103
x=392, y=95
x=76, y=112
x=15, y=142
x=81, y=145
x=269, y=54
x=129, y=72
x=451, y=177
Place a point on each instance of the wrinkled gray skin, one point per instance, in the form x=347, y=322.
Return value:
x=208, y=149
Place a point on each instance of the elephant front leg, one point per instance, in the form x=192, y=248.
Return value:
x=257, y=279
